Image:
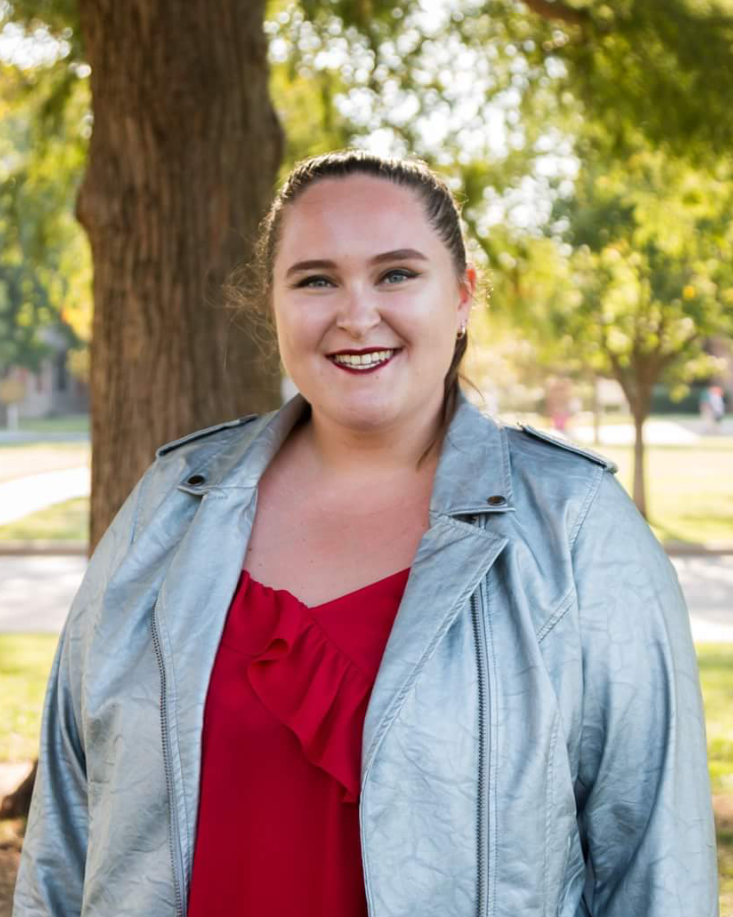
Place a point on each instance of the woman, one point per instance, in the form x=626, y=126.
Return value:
x=499, y=714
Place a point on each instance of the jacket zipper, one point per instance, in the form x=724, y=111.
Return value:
x=174, y=837
x=482, y=818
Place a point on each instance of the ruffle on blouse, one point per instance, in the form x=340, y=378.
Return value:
x=308, y=683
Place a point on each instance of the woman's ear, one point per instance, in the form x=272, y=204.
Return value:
x=467, y=289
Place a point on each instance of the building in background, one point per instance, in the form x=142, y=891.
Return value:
x=52, y=390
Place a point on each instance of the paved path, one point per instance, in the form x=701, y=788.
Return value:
x=708, y=586
x=657, y=432
x=26, y=495
x=36, y=593
x=13, y=437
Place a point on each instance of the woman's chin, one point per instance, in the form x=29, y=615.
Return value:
x=362, y=414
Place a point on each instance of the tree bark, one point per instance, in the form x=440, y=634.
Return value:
x=596, y=413
x=638, y=386
x=17, y=803
x=639, y=463
x=639, y=397
x=183, y=156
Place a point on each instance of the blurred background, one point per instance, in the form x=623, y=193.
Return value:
x=590, y=146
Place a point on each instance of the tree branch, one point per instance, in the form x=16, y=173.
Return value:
x=555, y=9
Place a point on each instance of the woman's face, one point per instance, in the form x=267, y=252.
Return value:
x=361, y=273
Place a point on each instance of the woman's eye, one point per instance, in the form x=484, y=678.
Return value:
x=315, y=282
x=398, y=275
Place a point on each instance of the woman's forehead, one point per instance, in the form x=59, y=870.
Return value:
x=336, y=211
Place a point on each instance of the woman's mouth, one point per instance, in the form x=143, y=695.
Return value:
x=364, y=362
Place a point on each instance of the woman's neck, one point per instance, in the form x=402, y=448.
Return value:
x=344, y=453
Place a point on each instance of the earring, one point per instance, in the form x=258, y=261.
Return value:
x=462, y=332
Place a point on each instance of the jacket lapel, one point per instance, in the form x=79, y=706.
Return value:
x=454, y=555
x=452, y=559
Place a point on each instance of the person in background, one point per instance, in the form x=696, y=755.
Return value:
x=712, y=407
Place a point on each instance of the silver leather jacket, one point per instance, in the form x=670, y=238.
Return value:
x=534, y=743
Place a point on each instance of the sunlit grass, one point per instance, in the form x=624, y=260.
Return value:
x=69, y=423
x=25, y=661
x=67, y=521
x=689, y=490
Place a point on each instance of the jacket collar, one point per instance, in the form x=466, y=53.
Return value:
x=473, y=474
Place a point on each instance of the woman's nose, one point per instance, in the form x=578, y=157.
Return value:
x=358, y=312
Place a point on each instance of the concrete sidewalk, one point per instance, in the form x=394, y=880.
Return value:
x=25, y=437
x=657, y=432
x=37, y=592
x=26, y=495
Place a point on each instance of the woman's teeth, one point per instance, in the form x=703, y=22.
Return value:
x=363, y=359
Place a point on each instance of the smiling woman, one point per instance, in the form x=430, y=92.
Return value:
x=372, y=293
x=378, y=243
x=374, y=653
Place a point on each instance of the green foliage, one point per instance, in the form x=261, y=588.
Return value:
x=44, y=261
x=663, y=71
x=58, y=18
x=651, y=257
x=410, y=80
x=501, y=95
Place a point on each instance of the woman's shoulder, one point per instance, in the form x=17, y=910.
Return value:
x=531, y=442
x=212, y=433
x=190, y=461
x=553, y=478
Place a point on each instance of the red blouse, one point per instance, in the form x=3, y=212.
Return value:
x=278, y=824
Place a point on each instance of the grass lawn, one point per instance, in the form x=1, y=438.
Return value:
x=67, y=521
x=716, y=674
x=25, y=660
x=69, y=423
x=689, y=489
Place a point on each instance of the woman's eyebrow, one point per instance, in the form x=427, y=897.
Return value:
x=310, y=266
x=399, y=254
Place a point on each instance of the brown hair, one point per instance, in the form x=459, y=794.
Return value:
x=251, y=289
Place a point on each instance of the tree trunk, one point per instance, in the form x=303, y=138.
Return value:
x=596, y=414
x=639, y=462
x=640, y=402
x=17, y=803
x=183, y=155
x=638, y=390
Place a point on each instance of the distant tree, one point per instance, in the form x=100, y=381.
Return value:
x=42, y=250
x=652, y=249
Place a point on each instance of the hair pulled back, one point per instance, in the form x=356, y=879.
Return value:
x=253, y=290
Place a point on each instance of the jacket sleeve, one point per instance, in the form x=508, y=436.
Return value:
x=644, y=803
x=51, y=874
